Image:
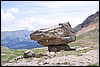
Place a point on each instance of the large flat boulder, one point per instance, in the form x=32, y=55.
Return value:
x=57, y=34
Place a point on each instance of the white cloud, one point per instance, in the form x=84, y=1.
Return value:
x=7, y=18
x=40, y=14
x=72, y=20
x=33, y=23
x=15, y=10
x=8, y=15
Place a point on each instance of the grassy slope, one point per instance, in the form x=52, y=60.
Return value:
x=90, y=38
x=9, y=54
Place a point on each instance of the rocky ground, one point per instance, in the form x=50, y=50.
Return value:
x=54, y=59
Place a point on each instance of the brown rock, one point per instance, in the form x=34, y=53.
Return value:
x=58, y=34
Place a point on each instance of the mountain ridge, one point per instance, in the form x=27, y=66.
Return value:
x=90, y=19
x=18, y=40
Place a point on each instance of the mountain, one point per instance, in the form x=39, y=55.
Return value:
x=18, y=39
x=92, y=19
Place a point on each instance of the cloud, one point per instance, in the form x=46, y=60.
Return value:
x=35, y=15
x=33, y=23
x=8, y=18
x=13, y=10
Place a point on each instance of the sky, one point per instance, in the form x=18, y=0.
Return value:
x=34, y=15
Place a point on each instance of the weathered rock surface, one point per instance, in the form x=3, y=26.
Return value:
x=55, y=37
x=28, y=54
x=58, y=48
x=58, y=34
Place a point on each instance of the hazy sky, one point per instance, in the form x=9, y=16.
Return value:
x=33, y=15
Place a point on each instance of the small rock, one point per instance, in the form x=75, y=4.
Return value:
x=46, y=62
x=82, y=48
x=28, y=54
x=19, y=57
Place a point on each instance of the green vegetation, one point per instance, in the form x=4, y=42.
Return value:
x=95, y=30
x=39, y=61
x=9, y=54
x=79, y=37
x=96, y=64
x=66, y=63
x=74, y=44
x=40, y=50
x=90, y=38
x=18, y=52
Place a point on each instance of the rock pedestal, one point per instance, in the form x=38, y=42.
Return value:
x=57, y=48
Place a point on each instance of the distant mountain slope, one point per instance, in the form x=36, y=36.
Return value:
x=91, y=19
x=18, y=33
x=89, y=38
x=90, y=27
x=18, y=39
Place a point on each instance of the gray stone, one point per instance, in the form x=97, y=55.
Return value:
x=19, y=57
x=28, y=54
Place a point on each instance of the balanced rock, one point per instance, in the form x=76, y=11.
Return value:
x=58, y=34
x=55, y=35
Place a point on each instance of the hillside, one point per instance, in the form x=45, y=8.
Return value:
x=90, y=27
x=88, y=35
x=94, y=18
x=8, y=54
